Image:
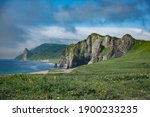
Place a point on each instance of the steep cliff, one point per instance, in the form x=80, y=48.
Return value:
x=95, y=48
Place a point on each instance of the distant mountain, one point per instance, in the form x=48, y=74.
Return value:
x=96, y=48
x=43, y=52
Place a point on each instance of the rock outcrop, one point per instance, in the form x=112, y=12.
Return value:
x=25, y=54
x=95, y=48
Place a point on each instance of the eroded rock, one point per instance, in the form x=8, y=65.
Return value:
x=95, y=48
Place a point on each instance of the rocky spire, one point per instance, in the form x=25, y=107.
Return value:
x=25, y=54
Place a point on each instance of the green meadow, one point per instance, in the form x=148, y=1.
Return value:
x=127, y=77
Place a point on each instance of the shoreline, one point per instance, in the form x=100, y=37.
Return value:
x=43, y=71
x=40, y=72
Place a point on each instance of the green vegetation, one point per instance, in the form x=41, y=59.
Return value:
x=127, y=77
x=71, y=47
x=106, y=51
x=51, y=52
x=96, y=34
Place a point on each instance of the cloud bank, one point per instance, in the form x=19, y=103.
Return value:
x=55, y=34
x=65, y=21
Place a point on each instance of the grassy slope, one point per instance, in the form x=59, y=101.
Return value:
x=127, y=77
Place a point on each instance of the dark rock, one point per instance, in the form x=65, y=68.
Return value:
x=55, y=65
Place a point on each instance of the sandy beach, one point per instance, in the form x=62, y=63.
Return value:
x=40, y=72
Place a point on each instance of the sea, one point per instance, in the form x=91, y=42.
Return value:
x=17, y=67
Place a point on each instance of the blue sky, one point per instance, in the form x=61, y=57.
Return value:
x=28, y=23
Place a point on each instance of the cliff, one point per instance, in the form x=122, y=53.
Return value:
x=95, y=48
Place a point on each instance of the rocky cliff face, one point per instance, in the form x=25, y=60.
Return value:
x=95, y=48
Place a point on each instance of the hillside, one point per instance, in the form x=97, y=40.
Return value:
x=137, y=58
x=45, y=51
x=126, y=77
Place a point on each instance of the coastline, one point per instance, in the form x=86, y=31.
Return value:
x=43, y=71
x=24, y=67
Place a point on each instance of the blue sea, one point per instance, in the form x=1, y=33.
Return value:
x=14, y=66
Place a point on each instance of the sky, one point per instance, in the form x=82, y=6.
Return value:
x=29, y=23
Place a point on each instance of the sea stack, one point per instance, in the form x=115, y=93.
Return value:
x=25, y=54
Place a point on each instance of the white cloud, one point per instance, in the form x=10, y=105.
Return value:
x=115, y=31
x=48, y=34
x=54, y=34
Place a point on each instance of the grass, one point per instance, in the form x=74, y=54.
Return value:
x=127, y=77
x=106, y=51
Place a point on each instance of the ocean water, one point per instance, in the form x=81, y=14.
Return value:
x=14, y=66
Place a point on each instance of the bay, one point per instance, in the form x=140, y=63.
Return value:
x=15, y=67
